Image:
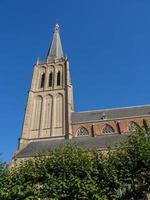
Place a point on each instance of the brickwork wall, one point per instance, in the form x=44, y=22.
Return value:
x=96, y=127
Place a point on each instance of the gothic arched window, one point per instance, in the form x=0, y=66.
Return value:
x=107, y=129
x=58, y=78
x=82, y=132
x=50, y=80
x=42, y=80
x=132, y=127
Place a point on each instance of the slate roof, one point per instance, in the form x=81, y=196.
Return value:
x=109, y=114
x=99, y=142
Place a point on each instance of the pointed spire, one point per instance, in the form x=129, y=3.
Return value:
x=55, y=51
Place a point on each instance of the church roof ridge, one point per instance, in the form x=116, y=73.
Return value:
x=111, y=114
x=117, y=108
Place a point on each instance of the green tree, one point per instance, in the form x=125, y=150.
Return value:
x=3, y=174
x=129, y=167
x=72, y=172
x=68, y=172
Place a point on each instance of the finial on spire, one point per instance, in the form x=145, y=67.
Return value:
x=57, y=28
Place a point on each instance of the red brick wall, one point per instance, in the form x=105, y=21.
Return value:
x=98, y=125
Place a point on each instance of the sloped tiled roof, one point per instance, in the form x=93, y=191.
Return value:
x=116, y=113
x=99, y=142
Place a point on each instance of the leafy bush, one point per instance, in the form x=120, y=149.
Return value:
x=3, y=174
x=130, y=164
x=72, y=172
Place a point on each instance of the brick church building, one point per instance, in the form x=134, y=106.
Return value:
x=50, y=119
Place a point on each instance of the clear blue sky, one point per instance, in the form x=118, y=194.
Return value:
x=106, y=41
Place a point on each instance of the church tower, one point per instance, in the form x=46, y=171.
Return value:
x=50, y=98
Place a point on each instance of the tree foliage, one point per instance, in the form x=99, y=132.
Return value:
x=72, y=172
x=3, y=173
x=130, y=166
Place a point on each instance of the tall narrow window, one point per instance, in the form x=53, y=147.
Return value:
x=36, y=113
x=58, y=78
x=50, y=79
x=48, y=103
x=59, y=111
x=42, y=80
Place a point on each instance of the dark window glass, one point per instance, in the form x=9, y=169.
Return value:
x=108, y=129
x=50, y=79
x=82, y=132
x=42, y=80
x=58, y=79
